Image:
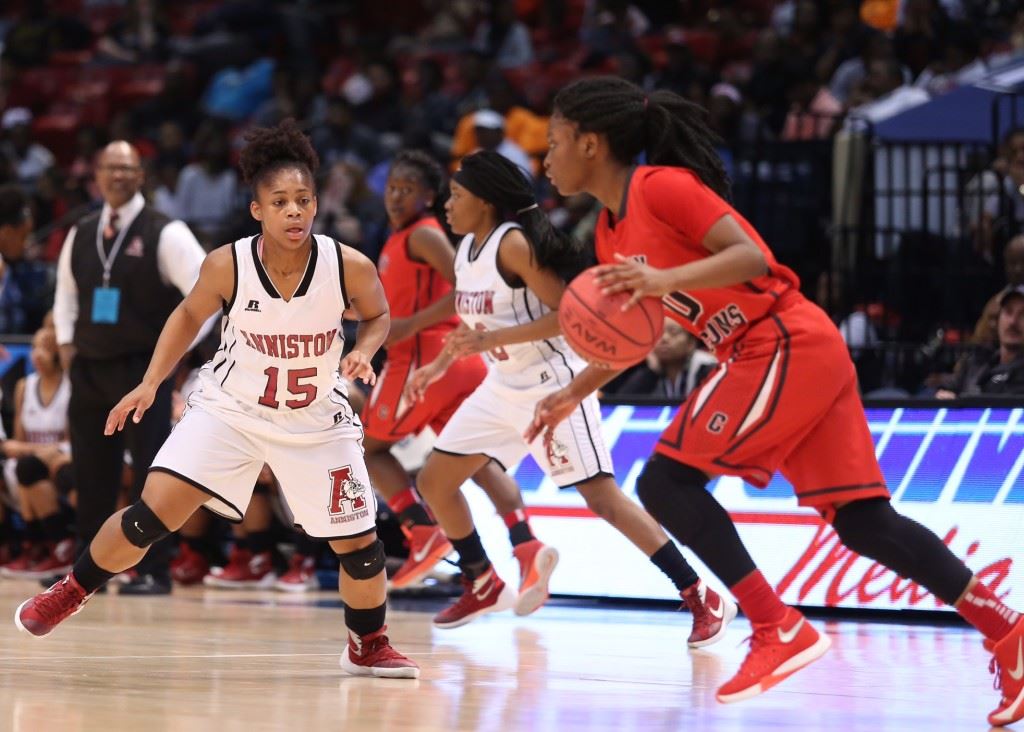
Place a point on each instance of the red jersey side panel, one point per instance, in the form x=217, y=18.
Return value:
x=667, y=214
x=409, y=285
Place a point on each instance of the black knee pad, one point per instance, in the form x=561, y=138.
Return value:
x=30, y=470
x=362, y=564
x=664, y=483
x=141, y=526
x=64, y=479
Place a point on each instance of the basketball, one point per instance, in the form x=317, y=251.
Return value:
x=600, y=331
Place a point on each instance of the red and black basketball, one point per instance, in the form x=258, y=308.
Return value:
x=600, y=331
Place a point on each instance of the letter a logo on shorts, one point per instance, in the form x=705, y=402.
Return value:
x=347, y=493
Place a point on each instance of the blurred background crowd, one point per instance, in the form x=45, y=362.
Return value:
x=799, y=91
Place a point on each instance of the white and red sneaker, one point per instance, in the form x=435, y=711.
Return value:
x=372, y=655
x=58, y=559
x=244, y=570
x=1008, y=666
x=190, y=567
x=537, y=562
x=300, y=577
x=21, y=566
x=711, y=612
x=777, y=650
x=427, y=546
x=39, y=615
x=486, y=594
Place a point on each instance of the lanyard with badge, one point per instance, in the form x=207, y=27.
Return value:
x=106, y=300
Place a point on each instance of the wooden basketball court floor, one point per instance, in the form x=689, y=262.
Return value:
x=248, y=661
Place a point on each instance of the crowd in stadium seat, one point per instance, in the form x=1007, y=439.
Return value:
x=183, y=81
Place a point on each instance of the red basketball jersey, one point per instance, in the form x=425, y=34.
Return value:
x=409, y=285
x=665, y=216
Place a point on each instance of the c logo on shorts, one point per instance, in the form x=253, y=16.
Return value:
x=717, y=422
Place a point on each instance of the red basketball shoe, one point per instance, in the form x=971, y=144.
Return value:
x=190, y=567
x=21, y=566
x=1008, y=666
x=372, y=655
x=58, y=558
x=301, y=575
x=39, y=615
x=244, y=570
x=777, y=650
x=711, y=612
x=537, y=561
x=486, y=594
x=427, y=546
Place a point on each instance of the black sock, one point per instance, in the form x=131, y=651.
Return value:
x=53, y=528
x=473, y=559
x=364, y=622
x=34, y=531
x=88, y=574
x=306, y=546
x=260, y=541
x=675, y=495
x=670, y=561
x=520, y=533
x=416, y=515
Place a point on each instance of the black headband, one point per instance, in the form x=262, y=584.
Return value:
x=484, y=186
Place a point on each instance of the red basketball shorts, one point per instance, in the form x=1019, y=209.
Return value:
x=786, y=399
x=389, y=416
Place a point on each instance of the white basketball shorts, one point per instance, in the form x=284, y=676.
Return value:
x=495, y=416
x=323, y=481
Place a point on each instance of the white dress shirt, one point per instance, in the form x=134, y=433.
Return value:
x=179, y=257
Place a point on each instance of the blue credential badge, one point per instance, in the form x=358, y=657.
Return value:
x=106, y=304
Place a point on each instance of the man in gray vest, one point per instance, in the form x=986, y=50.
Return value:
x=122, y=271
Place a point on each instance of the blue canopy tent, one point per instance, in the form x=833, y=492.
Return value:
x=920, y=156
x=973, y=113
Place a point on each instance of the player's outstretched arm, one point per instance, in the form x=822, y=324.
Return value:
x=214, y=287
x=366, y=295
x=554, y=408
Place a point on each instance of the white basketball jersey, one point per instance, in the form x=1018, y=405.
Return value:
x=278, y=359
x=45, y=423
x=486, y=302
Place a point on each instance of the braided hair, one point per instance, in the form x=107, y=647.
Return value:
x=669, y=129
x=430, y=173
x=501, y=183
x=271, y=149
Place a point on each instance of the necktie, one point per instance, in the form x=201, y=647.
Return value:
x=112, y=227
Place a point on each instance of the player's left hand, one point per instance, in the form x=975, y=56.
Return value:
x=466, y=341
x=549, y=412
x=356, y=365
x=138, y=400
x=632, y=276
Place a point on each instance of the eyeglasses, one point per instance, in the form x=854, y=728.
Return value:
x=119, y=168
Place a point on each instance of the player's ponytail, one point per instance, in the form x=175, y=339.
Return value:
x=501, y=183
x=663, y=125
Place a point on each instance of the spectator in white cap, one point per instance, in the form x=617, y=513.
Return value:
x=490, y=135
x=28, y=159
